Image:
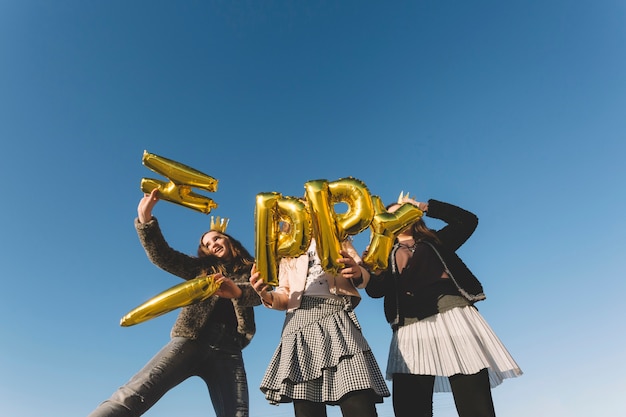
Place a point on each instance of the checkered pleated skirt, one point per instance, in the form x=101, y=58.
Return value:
x=457, y=341
x=322, y=356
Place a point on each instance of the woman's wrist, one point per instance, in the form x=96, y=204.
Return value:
x=143, y=219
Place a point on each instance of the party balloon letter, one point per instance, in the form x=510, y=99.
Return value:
x=181, y=295
x=385, y=227
x=282, y=229
x=360, y=212
x=182, y=179
x=294, y=235
x=266, y=236
x=324, y=223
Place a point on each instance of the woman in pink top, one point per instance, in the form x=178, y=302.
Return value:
x=322, y=358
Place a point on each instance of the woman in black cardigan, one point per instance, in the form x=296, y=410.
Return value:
x=440, y=342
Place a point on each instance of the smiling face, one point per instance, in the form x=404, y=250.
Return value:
x=217, y=245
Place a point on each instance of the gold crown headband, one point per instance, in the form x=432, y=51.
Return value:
x=219, y=224
x=403, y=197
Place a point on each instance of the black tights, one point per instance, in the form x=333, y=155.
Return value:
x=413, y=395
x=354, y=404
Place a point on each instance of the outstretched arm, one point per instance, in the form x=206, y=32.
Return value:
x=157, y=249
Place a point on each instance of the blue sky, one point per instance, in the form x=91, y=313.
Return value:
x=514, y=110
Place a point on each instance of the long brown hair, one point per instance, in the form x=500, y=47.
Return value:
x=241, y=259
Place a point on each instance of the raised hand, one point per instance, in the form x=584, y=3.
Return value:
x=146, y=204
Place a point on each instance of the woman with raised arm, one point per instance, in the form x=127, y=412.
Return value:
x=440, y=342
x=207, y=338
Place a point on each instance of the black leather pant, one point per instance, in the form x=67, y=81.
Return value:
x=222, y=371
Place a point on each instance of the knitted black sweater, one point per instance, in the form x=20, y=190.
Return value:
x=419, y=294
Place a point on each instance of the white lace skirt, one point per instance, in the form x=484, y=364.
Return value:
x=457, y=341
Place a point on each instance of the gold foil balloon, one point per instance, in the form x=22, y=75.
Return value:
x=360, y=212
x=324, y=222
x=182, y=180
x=274, y=241
x=181, y=295
x=385, y=227
x=317, y=218
x=295, y=238
x=266, y=228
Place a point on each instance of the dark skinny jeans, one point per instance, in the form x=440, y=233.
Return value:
x=222, y=371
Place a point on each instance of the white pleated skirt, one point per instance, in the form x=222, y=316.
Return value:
x=457, y=341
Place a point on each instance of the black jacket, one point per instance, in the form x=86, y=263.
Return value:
x=419, y=299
